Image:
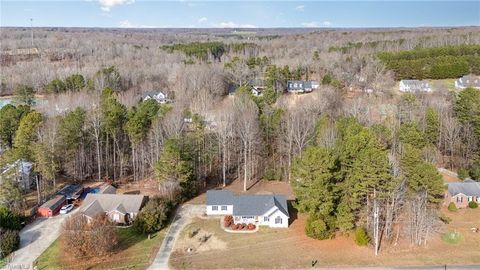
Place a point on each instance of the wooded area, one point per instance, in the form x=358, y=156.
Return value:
x=352, y=163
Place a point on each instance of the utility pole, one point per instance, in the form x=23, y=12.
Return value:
x=31, y=30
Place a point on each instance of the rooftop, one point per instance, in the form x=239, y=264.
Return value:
x=247, y=204
x=468, y=188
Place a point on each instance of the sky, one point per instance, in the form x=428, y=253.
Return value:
x=238, y=14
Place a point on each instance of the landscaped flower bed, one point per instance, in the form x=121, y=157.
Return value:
x=243, y=226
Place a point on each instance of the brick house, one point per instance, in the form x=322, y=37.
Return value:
x=463, y=193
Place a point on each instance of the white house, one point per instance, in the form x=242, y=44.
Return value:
x=414, y=86
x=21, y=172
x=264, y=210
x=302, y=86
x=156, y=95
x=467, y=81
x=257, y=91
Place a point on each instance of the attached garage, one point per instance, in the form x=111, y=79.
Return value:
x=51, y=207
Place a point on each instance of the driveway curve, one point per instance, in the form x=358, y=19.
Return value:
x=183, y=216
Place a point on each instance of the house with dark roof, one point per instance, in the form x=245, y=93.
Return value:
x=468, y=81
x=462, y=193
x=71, y=192
x=414, y=86
x=302, y=86
x=120, y=208
x=266, y=210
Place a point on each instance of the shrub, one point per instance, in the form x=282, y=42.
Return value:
x=251, y=226
x=446, y=219
x=452, y=207
x=227, y=221
x=361, y=237
x=84, y=238
x=473, y=205
x=9, y=220
x=317, y=228
x=9, y=242
x=452, y=237
x=462, y=173
x=154, y=216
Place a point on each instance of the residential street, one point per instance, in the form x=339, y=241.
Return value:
x=35, y=238
x=184, y=214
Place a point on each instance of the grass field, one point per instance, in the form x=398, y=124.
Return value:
x=290, y=248
x=134, y=251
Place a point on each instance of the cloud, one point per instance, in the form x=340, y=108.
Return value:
x=317, y=24
x=300, y=8
x=202, y=19
x=233, y=25
x=128, y=24
x=106, y=5
x=310, y=24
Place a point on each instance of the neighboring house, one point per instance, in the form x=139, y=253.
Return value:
x=467, y=81
x=266, y=210
x=156, y=95
x=414, y=86
x=107, y=189
x=21, y=171
x=71, y=192
x=257, y=91
x=120, y=208
x=302, y=86
x=463, y=193
x=52, y=206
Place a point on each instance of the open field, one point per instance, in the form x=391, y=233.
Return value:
x=134, y=251
x=290, y=248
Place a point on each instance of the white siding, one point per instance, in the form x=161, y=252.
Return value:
x=219, y=210
x=275, y=215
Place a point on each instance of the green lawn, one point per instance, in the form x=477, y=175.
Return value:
x=134, y=251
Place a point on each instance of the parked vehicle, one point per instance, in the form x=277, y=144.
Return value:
x=66, y=208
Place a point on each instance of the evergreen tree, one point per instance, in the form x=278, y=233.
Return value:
x=24, y=95
x=432, y=126
x=9, y=122
x=26, y=135
x=411, y=134
x=421, y=175
x=467, y=108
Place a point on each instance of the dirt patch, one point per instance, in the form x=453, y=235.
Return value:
x=199, y=240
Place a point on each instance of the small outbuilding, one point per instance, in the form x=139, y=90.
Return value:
x=52, y=206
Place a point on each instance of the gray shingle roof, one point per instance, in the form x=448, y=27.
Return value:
x=108, y=202
x=469, y=81
x=108, y=189
x=247, y=205
x=416, y=84
x=219, y=197
x=468, y=188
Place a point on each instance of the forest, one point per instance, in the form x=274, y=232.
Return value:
x=356, y=159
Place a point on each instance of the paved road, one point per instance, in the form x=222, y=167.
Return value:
x=183, y=216
x=35, y=238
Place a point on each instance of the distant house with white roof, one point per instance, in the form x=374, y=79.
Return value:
x=158, y=96
x=468, y=81
x=414, y=86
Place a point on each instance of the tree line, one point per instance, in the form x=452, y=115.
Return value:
x=433, y=63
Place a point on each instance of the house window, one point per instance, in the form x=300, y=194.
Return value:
x=265, y=219
x=458, y=199
x=278, y=220
x=215, y=208
x=461, y=199
x=224, y=208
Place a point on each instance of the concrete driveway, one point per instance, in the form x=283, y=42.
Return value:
x=183, y=216
x=35, y=238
